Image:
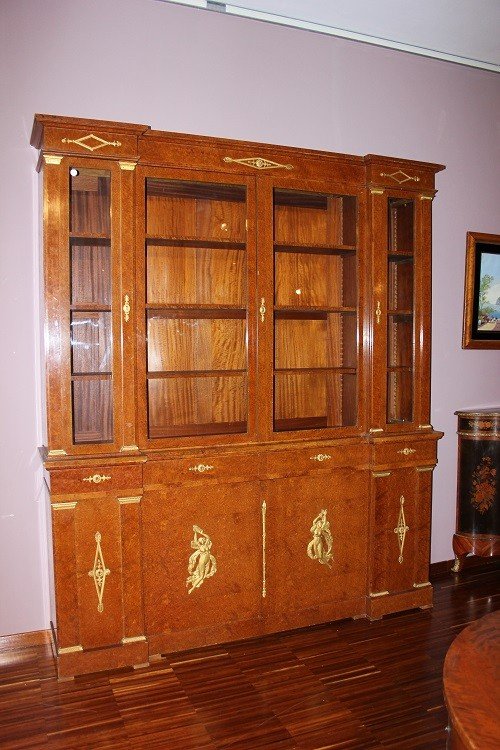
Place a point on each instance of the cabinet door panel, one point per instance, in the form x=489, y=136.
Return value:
x=202, y=560
x=97, y=571
x=195, y=271
x=395, y=530
x=85, y=228
x=316, y=541
x=401, y=263
x=310, y=283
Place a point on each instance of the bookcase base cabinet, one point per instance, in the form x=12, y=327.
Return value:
x=237, y=372
x=190, y=551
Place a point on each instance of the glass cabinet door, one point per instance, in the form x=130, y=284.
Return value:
x=400, y=310
x=196, y=306
x=90, y=305
x=316, y=290
x=84, y=227
x=401, y=241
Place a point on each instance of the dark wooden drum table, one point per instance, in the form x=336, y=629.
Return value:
x=472, y=686
x=478, y=485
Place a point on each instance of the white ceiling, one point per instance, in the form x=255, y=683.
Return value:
x=461, y=31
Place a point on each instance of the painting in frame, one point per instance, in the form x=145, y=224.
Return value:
x=481, y=326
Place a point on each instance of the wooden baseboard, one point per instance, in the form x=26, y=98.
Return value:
x=24, y=640
x=438, y=569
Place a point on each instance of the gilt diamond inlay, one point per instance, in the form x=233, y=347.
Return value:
x=91, y=142
x=99, y=573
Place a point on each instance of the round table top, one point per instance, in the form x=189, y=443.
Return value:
x=472, y=683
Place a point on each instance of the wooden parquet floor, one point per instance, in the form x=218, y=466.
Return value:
x=351, y=684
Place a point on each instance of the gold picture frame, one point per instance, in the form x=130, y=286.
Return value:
x=481, y=322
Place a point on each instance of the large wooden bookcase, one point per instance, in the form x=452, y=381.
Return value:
x=237, y=343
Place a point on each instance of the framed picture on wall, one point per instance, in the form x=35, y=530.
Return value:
x=481, y=326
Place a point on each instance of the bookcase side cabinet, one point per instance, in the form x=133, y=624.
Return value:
x=237, y=387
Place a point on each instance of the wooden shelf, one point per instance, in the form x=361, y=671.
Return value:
x=308, y=370
x=153, y=375
x=194, y=242
x=91, y=238
x=213, y=428
x=297, y=247
x=207, y=311
x=91, y=376
x=302, y=423
x=312, y=312
x=400, y=256
x=89, y=307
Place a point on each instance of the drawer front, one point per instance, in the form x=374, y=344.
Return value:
x=109, y=479
x=196, y=469
x=318, y=460
x=405, y=453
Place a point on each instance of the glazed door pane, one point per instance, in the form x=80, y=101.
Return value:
x=90, y=301
x=196, y=308
x=315, y=310
x=401, y=252
x=400, y=310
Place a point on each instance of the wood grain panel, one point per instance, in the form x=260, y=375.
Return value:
x=203, y=467
x=295, y=581
x=400, y=396
x=301, y=343
x=400, y=340
x=90, y=272
x=329, y=341
x=299, y=395
x=91, y=342
x=196, y=276
x=405, y=452
x=92, y=411
x=297, y=462
x=90, y=202
x=171, y=216
x=401, y=225
x=306, y=395
x=423, y=495
x=301, y=218
x=230, y=516
x=184, y=401
x=65, y=578
x=313, y=280
x=299, y=224
x=470, y=679
x=400, y=284
x=195, y=344
x=99, y=628
x=391, y=569
x=131, y=554
x=70, y=481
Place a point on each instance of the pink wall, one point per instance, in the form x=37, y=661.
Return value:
x=187, y=70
